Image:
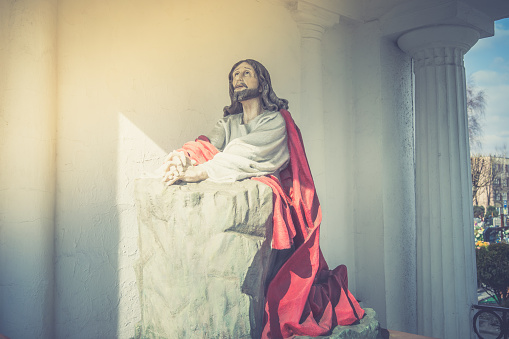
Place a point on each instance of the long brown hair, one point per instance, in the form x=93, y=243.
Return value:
x=270, y=101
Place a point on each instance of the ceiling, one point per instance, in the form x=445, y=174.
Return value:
x=368, y=10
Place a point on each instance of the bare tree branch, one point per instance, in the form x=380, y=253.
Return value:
x=486, y=169
x=476, y=107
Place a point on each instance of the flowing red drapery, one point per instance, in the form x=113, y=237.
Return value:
x=305, y=297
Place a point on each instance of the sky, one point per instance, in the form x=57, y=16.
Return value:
x=487, y=63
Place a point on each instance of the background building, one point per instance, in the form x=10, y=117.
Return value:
x=490, y=181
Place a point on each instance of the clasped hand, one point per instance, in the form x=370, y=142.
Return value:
x=177, y=166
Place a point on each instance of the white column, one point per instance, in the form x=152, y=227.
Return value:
x=312, y=22
x=446, y=275
x=27, y=167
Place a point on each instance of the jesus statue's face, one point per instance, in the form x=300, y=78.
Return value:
x=244, y=82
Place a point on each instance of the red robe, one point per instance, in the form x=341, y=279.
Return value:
x=305, y=297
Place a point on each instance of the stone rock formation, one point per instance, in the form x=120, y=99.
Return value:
x=203, y=258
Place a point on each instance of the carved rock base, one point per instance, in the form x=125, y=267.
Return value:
x=203, y=258
x=368, y=328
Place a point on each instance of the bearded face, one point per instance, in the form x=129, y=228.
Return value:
x=245, y=83
x=249, y=79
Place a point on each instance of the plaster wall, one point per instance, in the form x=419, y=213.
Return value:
x=27, y=161
x=370, y=213
x=137, y=79
x=398, y=180
x=367, y=163
x=336, y=232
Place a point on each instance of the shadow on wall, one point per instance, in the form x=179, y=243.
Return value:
x=87, y=234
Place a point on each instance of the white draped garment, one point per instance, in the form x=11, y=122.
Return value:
x=247, y=150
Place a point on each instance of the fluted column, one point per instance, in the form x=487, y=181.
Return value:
x=446, y=278
x=312, y=22
x=27, y=167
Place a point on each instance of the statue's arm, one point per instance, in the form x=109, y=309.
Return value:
x=177, y=166
x=261, y=152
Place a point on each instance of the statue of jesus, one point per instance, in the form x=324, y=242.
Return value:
x=251, y=137
x=258, y=139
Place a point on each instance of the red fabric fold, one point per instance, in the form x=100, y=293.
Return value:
x=305, y=297
x=283, y=230
x=200, y=150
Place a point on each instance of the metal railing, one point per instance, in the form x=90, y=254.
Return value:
x=496, y=320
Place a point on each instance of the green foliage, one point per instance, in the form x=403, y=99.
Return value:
x=493, y=271
x=478, y=211
x=490, y=210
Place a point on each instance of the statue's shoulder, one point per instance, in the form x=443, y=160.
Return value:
x=274, y=117
x=232, y=118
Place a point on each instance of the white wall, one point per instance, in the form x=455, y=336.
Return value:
x=398, y=188
x=27, y=158
x=136, y=80
x=367, y=161
x=369, y=213
x=337, y=228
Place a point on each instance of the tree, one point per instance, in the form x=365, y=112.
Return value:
x=476, y=106
x=480, y=178
x=478, y=211
x=492, y=210
x=493, y=271
x=485, y=170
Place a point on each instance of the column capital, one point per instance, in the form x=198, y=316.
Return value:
x=454, y=38
x=312, y=19
x=414, y=14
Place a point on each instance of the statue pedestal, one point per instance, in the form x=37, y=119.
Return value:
x=203, y=258
x=368, y=328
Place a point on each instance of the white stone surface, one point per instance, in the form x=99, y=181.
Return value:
x=204, y=258
x=367, y=328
